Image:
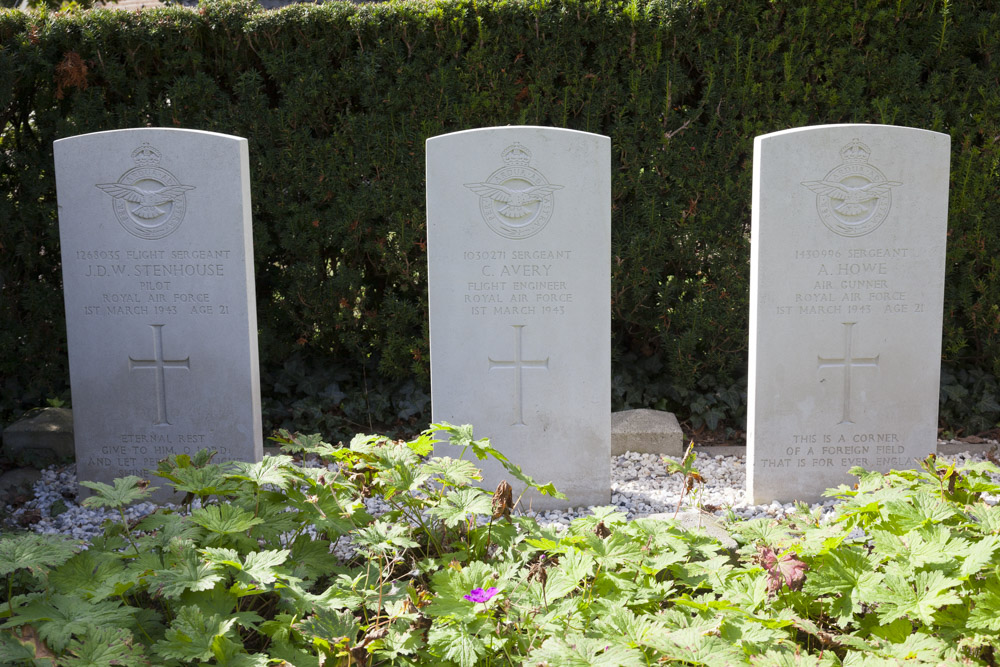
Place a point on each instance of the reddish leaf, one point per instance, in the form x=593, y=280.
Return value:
x=786, y=570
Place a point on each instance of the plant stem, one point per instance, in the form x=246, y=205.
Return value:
x=128, y=533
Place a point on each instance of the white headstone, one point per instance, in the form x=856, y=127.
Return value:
x=519, y=273
x=846, y=293
x=159, y=289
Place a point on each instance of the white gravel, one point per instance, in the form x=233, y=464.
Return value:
x=639, y=485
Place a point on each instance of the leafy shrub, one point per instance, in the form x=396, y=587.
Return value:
x=969, y=400
x=317, y=395
x=337, y=101
x=903, y=571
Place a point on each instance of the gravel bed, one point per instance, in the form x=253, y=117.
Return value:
x=640, y=485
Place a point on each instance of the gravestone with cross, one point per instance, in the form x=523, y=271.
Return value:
x=160, y=311
x=518, y=248
x=846, y=289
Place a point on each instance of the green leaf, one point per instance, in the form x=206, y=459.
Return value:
x=308, y=444
x=749, y=591
x=453, y=472
x=459, y=505
x=619, y=623
x=401, y=477
x=788, y=658
x=577, y=565
x=918, y=600
x=189, y=574
x=613, y=551
x=256, y=568
x=323, y=509
x=397, y=644
x=988, y=517
x=980, y=554
x=345, y=593
x=162, y=527
x=244, y=659
x=934, y=544
x=62, y=616
x=697, y=645
x=750, y=635
x=293, y=655
x=454, y=642
x=563, y=579
x=17, y=651
x=225, y=519
x=126, y=490
x=259, y=566
x=450, y=585
x=330, y=625
x=985, y=613
x=382, y=537
x=34, y=552
x=92, y=574
x=103, y=646
x=221, y=556
x=220, y=601
x=312, y=558
x=192, y=635
x=578, y=651
x=276, y=470
x=917, y=510
x=845, y=575
x=920, y=648
x=208, y=480
x=894, y=632
x=755, y=531
x=423, y=445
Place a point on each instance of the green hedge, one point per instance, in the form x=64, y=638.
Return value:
x=337, y=100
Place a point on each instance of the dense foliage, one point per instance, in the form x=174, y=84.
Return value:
x=903, y=572
x=338, y=99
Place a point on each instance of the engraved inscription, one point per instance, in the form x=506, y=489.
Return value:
x=516, y=200
x=518, y=363
x=848, y=362
x=148, y=201
x=138, y=453
x=518, y=282
x=155, y=282
x=854, y=198
x=851, y=282
x=158, y=364
x=874, y=451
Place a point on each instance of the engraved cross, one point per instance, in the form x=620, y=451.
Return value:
x=518, y=363
x=848, y=362
x=159, y=364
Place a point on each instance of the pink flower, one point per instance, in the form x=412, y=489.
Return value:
x=479, y=595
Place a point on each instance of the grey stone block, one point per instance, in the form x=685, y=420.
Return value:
x=41, y=438
x=16, y=482
x=646, y=431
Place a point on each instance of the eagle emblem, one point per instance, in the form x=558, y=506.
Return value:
x=150, y=204
x=516, y=200
x=855, y=197
x=149, y=201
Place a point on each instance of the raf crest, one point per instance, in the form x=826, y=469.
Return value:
x=148, y=201
x=854, y=198
x=516, y=200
